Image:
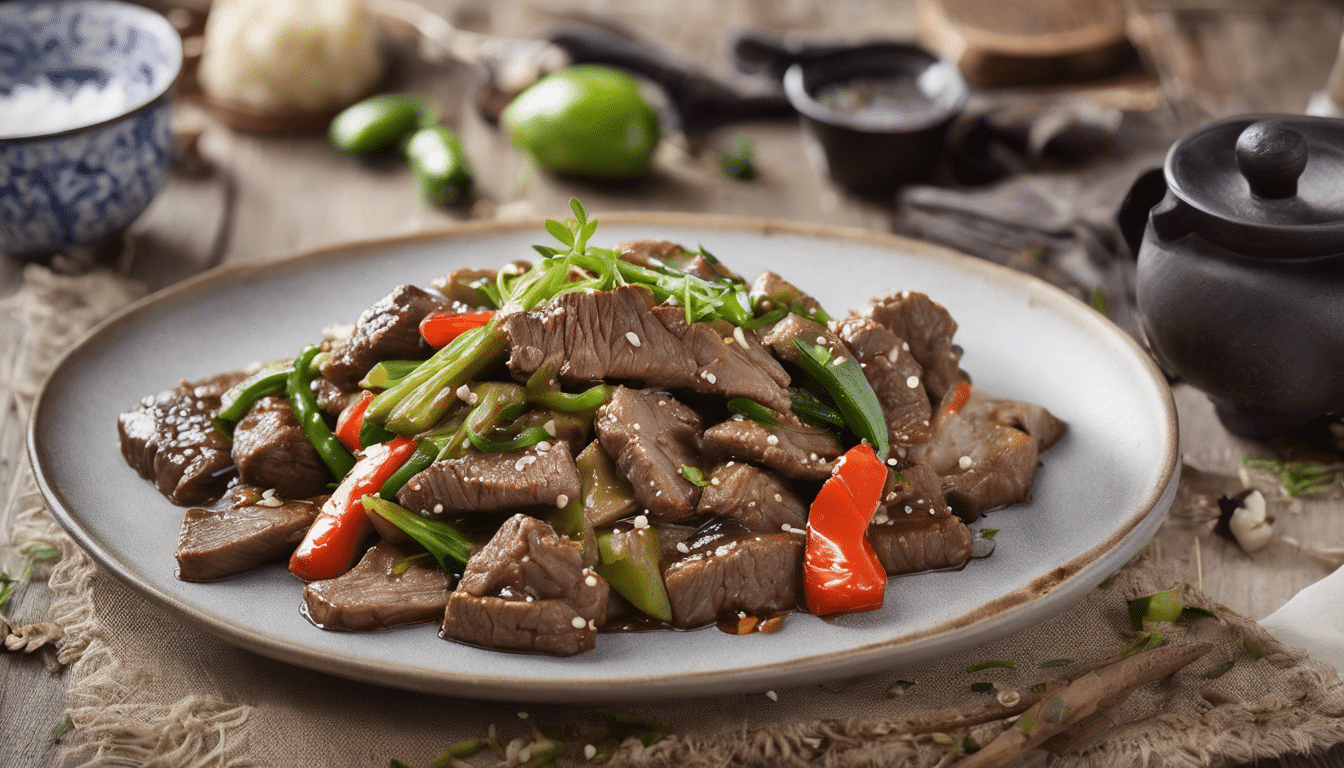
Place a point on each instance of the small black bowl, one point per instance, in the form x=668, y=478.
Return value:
x=879, y=112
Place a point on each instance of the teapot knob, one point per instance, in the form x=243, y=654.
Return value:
x=1271, y=156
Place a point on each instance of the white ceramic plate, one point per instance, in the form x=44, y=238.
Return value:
x=1099, y=497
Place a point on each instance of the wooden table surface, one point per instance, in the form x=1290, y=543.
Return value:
x=266, y=197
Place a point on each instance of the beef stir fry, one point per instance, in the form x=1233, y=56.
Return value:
x=608, y=438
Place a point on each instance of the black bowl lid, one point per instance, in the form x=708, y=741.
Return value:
x=1264, y=184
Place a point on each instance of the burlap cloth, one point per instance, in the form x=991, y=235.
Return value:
x=145, y=689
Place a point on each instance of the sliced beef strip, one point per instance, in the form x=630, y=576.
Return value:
x=797, y=452
x=651, y=437
x=761, y=500
x=488, y=482
x=728, y=361
x=388, y=330
x=271, y=451
x=582, y=337
x=914, y=492
x=373, y=596
x=330, y=398
x=770, y=291
x=910, y=546
x=754, y=573
x=890, y=369
x=928, y=328
x=653, y=253
x=246, y=529
x=779, y=337
x=985, y=458
x=461, y=286
x=170, y=439
x=527, y=590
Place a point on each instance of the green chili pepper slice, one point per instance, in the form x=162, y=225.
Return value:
x=853, y=395
x=441, y=539
x=421, y=399
x=300, y=391
x=754, y=411
x=540, y=389
x=525, y=439
x=236, y=402
x=630, y=564
x=812, y=410
x=388, y=373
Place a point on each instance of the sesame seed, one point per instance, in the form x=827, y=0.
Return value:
x=415, y=487
x=772, y=440
x=522, y=463
x=785, y=527
x=839, y=360
x=632, y=338
x=524, y=715
x=550, y=428
x=464, y=393
x=590, y=581
x=739, y=336
x=592, y=625
x=908, y=509
x=710, y=377
x=561, y=500
x=527, y=558
x=438, y=509
x=713, y=481
x=578, y=623
x=779, y=498
x=543, y=446
x=636, y=426
x=771, y=695
x=964, y=462
x=905, y=345
x=641, y=522
x=821, y=340
x=912, y=382
x=891, y=462
x=682, y=548
x=589, y=751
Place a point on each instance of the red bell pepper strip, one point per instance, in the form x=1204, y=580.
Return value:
x=442, y=328
x=351, y=421
x=332, y=542
x=959, y=397
x=841, y=571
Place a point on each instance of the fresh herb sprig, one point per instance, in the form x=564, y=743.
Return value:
x=1302, y=477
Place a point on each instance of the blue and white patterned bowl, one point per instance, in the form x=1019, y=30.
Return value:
x=75, y=176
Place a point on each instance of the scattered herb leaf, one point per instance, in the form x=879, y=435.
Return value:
x=1143, y=641
x=464, y=748
x=1055, y=663
x=740, y=162
x=988, y=533
x=903, y=685
x=62, y=727
x=969, y=746
x=982, y=687
x=1038, y=688
x=1220, y=670
x=1301, y=477
x=1025, y=723
x=1099, y=301
x=544, y=752
x=7, y=586
x=1163, y=606
x=991, y=664
x=694, y=475
x=395, y=763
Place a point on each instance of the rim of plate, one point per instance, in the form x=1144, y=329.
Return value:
x=981, y=623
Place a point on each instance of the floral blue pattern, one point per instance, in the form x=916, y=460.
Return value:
x=78, y=186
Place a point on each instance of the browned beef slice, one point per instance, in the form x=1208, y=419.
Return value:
x=909, y=546
x=527, y=590
x=373, y=596
x=755, y=573
x=651, y=437
x=170, y=438
x=388, y=330
x=761, y=500
x=797, y=452
x=728, y=361
x=915, y=492
x=244, y=530
x=928, y=328
x=461, y=286
x=582, y=337
x=985, y=458
x=330, y=398
x=770, y=291
x=272, y=451
x=890, y=369
x=652, y=253
x=487, y=482
x=779, y=337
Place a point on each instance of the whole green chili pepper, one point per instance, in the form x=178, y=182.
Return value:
x=300, y=391
x=379, y=122
x=853, y=395
x=236, y=402
x=440, y=164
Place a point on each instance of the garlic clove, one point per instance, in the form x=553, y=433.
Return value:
x=1251, y=524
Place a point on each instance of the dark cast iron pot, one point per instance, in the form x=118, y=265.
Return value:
x=1241, y=268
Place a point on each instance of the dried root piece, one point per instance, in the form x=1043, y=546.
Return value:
x=1076, y=703
x=29, y=638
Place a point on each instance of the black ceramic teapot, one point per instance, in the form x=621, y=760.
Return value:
x=1241, y=269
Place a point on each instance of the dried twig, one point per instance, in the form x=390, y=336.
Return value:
x=1096, y=691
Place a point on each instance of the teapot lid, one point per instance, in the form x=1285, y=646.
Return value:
x=1269, y=185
